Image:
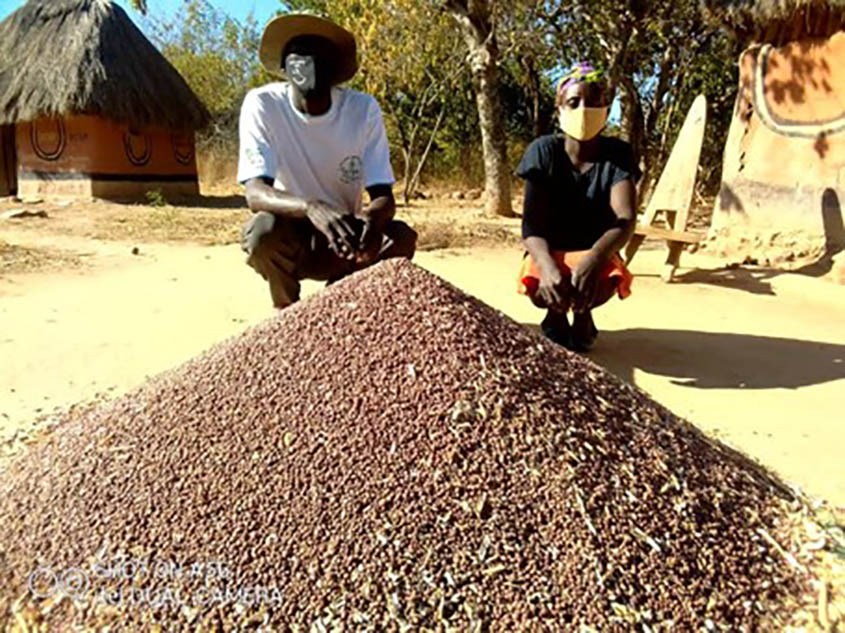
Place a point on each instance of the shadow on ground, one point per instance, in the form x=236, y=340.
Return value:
x=753, y=280
x=708, y=360
x=756, y=280
x=212, y=202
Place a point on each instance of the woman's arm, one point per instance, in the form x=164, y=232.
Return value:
x=623, y=202
x=537, y=208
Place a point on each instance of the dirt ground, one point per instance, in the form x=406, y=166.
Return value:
x=96, y=297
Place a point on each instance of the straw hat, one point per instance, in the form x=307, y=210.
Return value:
x=281, y=30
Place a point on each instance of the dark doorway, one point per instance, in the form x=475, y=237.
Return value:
x=8, y=161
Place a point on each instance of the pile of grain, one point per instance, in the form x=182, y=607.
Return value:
x=391, y=454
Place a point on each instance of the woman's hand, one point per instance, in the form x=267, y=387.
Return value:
x=584, y=281
x=551, y=291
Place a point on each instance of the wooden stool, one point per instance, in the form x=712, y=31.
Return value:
x=673, y=194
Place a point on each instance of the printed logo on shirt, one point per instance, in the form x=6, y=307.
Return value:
x=351, y=170
x=254, y=157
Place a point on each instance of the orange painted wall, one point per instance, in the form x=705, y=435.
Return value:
x=77, y=154
x=8, y=177
x=785, y=152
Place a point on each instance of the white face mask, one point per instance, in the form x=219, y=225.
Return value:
x=583, y=123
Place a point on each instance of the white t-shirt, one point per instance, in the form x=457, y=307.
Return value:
x=331, y=157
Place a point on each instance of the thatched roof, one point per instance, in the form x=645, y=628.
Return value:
x=60, y=57
x=778, y=21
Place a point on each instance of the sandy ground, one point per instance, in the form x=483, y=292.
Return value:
x=753, y=358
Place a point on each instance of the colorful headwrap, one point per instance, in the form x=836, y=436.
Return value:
x=582, y=72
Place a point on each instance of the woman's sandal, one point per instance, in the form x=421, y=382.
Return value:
x=558, y=330
x=583, y=333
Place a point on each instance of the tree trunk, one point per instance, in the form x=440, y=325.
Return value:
x=474, y=18
x=533, y=89
x=664, y=75
x=406, y=178
x=415, y=181
x=497, y=172
x=633, y=125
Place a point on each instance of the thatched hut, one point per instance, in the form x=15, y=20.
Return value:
x=89, y=107
x=783, y=180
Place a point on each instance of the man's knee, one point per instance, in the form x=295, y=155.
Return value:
x=256, y=232
x=404, y=239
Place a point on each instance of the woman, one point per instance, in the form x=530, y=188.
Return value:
x=579, y=211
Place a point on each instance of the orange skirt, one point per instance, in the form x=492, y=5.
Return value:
x=614, y=271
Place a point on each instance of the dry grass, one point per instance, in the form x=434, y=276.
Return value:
x=816, y=545
x=18, y=259
x=440, y=221
x=217, y=219
x=146, y=224
x=218, y=168
x=443, y=224
x=217, y=222
x=441, y=235
x=218, y=171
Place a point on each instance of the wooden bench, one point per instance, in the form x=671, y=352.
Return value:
x=676, y=241
x=673, y=194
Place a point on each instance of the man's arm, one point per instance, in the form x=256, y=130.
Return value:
x=376, y=215
x=331, y=222
x=378, y=180
x=262, y=196
x=382, y=207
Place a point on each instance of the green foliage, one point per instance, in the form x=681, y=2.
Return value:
x=411, y=60
x=155, y=198
x=217, y=56
x=139, y=5
x=714, y=75
x=660, y=56
x=414, y=61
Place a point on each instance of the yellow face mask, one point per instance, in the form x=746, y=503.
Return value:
x=583, y=123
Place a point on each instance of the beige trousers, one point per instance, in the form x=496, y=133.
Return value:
x=286, y=251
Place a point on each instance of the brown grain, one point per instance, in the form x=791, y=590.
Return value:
x=395, y=455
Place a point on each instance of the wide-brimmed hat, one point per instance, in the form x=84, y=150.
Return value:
x=281, y=30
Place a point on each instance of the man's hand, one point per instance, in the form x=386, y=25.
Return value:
x=261, y=225
x=550, y=291
x=375, y=217
x=585, y=282
x=335, y=225
x=370, y=243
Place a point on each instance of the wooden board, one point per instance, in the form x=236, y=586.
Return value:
x=674, y=190
x=673, y=194
x=669, y=234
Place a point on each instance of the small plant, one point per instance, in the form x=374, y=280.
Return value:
x=156, y=199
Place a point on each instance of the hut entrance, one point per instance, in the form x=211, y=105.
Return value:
x=8, y=161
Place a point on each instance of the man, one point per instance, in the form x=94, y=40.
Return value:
x=307, y=150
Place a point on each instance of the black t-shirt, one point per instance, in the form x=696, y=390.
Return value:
x=580, y=211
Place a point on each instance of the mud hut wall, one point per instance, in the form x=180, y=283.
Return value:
x=785, y=150
x=91, y=156
x=5, y=185
x=8, y=162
